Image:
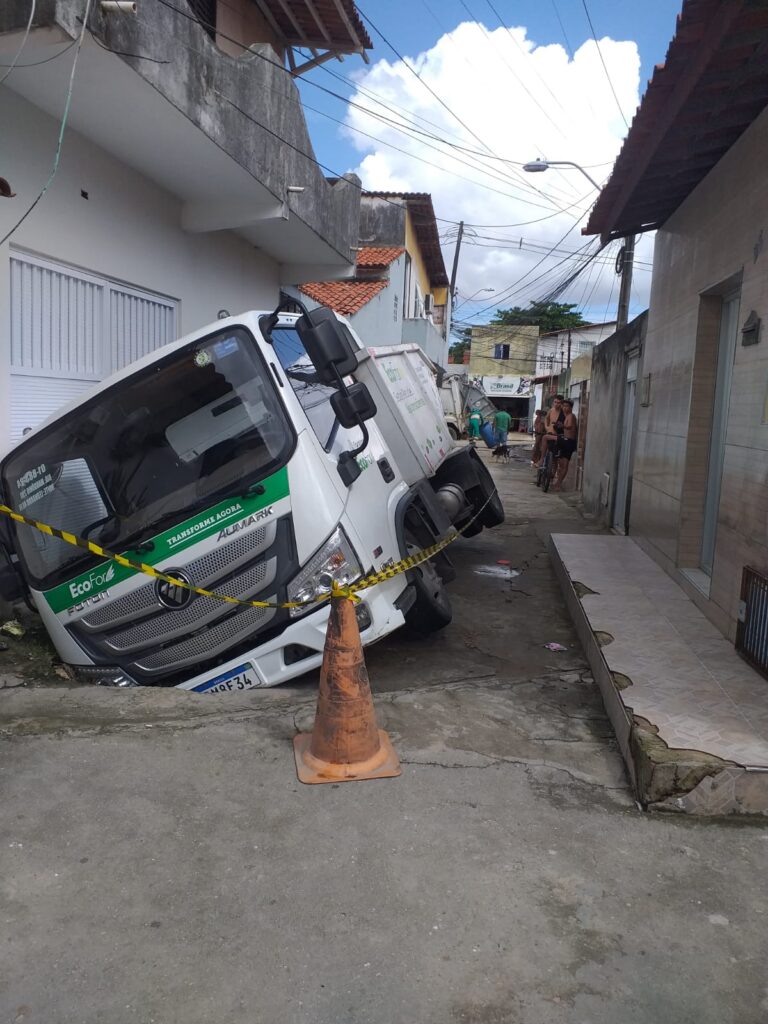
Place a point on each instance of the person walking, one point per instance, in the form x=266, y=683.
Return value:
x=475, y=422
x=501, y=422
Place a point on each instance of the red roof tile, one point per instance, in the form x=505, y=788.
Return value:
x=345, y=297
x=379, y=255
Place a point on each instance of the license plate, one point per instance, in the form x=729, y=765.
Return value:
x=244, y=677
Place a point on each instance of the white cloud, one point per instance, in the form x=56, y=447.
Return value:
x=517, y=101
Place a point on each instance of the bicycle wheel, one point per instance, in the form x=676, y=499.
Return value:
x=549, y=472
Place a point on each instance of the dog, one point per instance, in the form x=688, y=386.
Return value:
x=501, y=453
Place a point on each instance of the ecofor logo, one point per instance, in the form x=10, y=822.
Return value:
x=98, y=578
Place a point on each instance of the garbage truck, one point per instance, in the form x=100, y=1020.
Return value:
x=264, y=457
x=459, y=397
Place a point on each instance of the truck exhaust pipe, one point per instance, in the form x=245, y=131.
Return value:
x=453, y=499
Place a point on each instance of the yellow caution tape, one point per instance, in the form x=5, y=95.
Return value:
x=339, y=590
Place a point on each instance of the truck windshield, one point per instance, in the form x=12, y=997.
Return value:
x=199, y=424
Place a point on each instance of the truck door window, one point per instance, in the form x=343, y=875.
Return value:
x=314, y=398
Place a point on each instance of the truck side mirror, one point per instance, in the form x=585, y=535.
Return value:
x=353, y=405
x=328, y=344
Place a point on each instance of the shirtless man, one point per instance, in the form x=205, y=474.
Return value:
x=553, y=419
x=567, y=443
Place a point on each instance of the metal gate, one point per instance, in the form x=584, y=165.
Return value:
x=752, y=628
x=69, y=330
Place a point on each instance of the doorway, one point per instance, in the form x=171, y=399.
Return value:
x=620, y=509
x=726, y=350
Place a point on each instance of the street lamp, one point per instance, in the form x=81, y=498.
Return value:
x=627, y=254
x=474, y=294
x=536, y=166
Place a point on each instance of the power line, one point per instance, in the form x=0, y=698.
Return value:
x=517, y=78
x=37, y=63
x=432, y=91
x=602, y=61
x=62, y=128
x=256, y=55
x=429, y=163
x=568, y=46
x=514, y=287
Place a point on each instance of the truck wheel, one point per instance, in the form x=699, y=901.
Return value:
x=453, y=431
x=431, y=610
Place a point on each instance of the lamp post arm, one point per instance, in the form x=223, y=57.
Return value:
x=570, y=163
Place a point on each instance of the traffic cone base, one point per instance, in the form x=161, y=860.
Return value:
x=384, y=764
x=346, y=743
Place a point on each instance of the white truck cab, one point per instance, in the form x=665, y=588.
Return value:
x=262, y=457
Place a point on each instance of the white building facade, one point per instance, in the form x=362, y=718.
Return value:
x=552, y=355
x=160, y=213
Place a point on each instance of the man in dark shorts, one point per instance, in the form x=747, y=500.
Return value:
x=566, y=443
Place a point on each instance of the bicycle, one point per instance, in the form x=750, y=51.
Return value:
x=546, y=473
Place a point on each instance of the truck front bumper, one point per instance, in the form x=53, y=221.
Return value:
x=299, y=648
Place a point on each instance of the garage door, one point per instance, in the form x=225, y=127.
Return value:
x=70, y=329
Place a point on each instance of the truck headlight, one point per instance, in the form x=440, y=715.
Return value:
x=335, y=562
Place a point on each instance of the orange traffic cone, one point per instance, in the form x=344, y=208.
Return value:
x=345, y=742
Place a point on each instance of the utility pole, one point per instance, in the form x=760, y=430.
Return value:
x=569, y=348
x=627, y=255
x=459, y=236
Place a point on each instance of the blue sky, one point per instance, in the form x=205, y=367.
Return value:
x=504, y=90
x=413, y=26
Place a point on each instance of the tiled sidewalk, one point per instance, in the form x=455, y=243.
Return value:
x=691, y=717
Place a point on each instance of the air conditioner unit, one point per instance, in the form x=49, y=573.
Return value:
x=429, y=303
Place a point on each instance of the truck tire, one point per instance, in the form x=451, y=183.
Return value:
x=431, y=611
x=493, y=513
x=454, y=431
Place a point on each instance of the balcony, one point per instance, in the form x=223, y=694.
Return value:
x=223, y=135
x=422, y=332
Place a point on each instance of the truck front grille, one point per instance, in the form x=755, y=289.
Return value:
x=204, y=570
x=167, y=625
x=213, y=641
x=154, y=644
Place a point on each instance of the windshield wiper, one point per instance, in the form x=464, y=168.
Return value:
x=249, y=491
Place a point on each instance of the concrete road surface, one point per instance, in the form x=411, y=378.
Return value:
x=159, y=862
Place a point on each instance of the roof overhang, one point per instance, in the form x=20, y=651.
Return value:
x=711, y=88
x=331, y=26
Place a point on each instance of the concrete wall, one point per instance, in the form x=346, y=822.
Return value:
x=606, y=411
x=128, y=229
x=382, y=221
x=422, y=332
x=380, y=321
x=716, y=238
x=252, y=111
x=242, y=20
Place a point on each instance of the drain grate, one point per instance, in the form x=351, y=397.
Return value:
x=752, y=630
